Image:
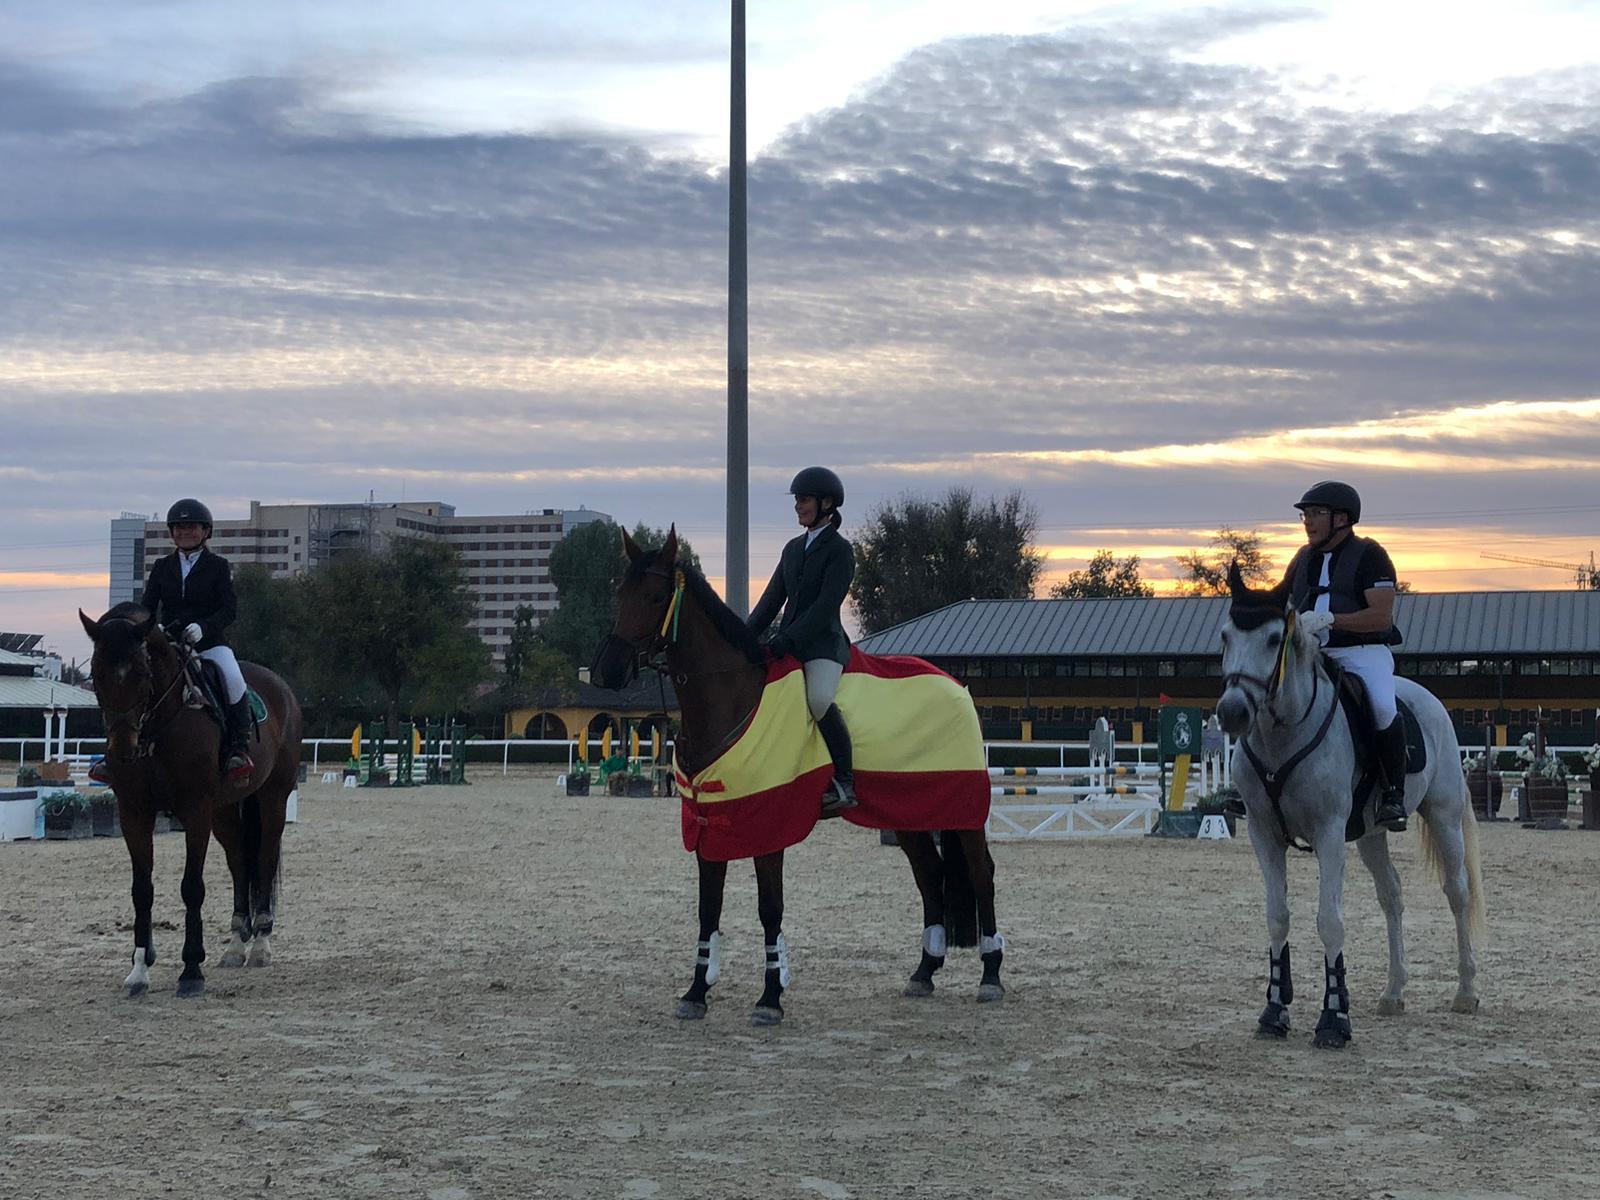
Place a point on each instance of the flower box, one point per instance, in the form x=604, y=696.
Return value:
x=1487, y=790
x=1542, y=798
x=104, y=818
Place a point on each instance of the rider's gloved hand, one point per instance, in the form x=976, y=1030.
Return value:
x=1316, y=623
x=782, y=645
x=192, y=634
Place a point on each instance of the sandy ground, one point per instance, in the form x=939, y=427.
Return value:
x=473, y=991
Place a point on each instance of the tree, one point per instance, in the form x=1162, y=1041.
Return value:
x=915, y=555
x=587, y=567
x=1106, y=576
x=395, y=626
x=269, y=627
x=1208, y=572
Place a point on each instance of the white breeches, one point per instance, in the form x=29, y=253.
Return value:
x=233, y=678
x=1375, y=665
x=822, y=685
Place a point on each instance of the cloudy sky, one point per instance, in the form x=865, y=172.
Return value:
x=1158, y=266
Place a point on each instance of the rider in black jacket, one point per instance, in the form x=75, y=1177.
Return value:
x=190, y=592
x=811, y=582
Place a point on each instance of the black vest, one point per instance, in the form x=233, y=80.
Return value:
x=1343, y=595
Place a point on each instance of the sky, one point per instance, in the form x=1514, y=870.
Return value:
x=1157, y=266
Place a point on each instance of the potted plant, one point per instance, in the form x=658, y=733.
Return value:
x=103, y=814
x=27, y=776
x=66, y=815
x=1544, y=782
x=1484, y=785
x=1591, y=763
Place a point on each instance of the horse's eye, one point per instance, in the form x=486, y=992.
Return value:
x=1226, y=637
x=1275, y=640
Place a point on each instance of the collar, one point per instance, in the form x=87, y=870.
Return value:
x=191, y=557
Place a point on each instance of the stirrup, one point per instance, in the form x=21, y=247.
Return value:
x=1394, y=823
x=238, y=769
x=840, y=797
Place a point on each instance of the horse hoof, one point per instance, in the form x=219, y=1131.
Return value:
x=690, y=1010
x=1330, y=1040
x=135, y=990
x=1391, y=1007
x=191, y=989
x=918, y=987
x=260, y=954
x=232, y=957
x=990, y=993
x=1464, y=1004
x=767, y=1016
x=1271, y=1033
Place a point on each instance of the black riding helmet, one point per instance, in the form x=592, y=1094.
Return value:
x=818, y=482
x=189, y=510
x=1331, y=494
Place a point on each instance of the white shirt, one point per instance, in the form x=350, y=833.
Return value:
x=186, y=562
x=811, y=535
x=1324, y=598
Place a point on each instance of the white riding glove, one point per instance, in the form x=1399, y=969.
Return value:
x=192, y=634
x=1317, y=624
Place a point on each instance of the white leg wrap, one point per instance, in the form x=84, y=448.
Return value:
x=709, y=955
x=780, y=948
x=140, y=973
x=988, y=945
x=934, y=942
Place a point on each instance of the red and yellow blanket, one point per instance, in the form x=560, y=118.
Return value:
x=919, y=761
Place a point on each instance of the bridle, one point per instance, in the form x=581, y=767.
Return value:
x=1274, y=779
x=137, y=716
x=653, y=649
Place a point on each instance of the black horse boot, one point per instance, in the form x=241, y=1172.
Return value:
x=1391, y=812
x=237, y=766
x=837, y=737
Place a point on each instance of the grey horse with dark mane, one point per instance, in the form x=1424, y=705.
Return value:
x=1299, y=769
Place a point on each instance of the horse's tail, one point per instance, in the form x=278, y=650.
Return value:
x=960, y=898
x=1476, y=924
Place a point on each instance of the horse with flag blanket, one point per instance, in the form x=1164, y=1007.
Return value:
x=752, y=771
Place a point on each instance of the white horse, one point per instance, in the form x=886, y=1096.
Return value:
x=1296, y=769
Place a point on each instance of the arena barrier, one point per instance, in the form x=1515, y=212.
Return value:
x=1104, y=799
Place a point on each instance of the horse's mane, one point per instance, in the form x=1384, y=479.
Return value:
x=127, y=610
x=727, y=622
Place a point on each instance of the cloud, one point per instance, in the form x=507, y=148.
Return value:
x=1045, y=261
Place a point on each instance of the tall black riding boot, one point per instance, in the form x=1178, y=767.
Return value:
x=837, y=737
x=237, y=766
x=1391, y=813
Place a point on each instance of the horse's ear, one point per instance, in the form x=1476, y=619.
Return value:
x=1236, y=583
x=92, y=628
x=669, y=553
x=631, y=548
x=147, y=627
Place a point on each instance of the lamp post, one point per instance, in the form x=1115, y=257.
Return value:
x=738, y=524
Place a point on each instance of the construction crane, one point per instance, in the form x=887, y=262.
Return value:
x=1586, y=574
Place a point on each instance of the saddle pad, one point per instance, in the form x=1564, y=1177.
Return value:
x=918, y=750
x=258, y=706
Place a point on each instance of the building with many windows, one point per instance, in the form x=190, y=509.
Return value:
x=505, y=558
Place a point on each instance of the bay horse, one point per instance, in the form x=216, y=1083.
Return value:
x=162, y=750
x=1297, y=769
x=719, y=671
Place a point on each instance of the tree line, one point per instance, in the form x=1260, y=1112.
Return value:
x=389, y=631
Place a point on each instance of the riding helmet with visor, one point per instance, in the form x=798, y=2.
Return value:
x=1334, y=496
x=818, y=482
x=189, y=511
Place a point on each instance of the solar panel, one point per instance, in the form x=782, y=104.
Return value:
x=20, y=643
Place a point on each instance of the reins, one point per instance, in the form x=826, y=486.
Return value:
x=1274, y=779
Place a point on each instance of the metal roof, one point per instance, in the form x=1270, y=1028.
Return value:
x=24, y=691
x=1446, y=623
x=10, y=658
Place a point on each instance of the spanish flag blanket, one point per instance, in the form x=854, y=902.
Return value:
x=919, y=761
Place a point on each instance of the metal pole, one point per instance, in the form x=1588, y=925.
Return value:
x=738, y=532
